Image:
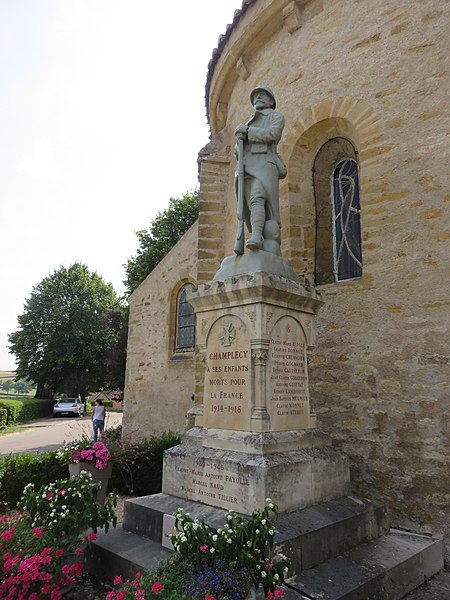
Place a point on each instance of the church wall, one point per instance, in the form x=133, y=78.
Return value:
x=159, y=384
x=375, y=74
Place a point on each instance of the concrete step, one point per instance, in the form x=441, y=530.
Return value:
x=384, y=569
x=309, y=536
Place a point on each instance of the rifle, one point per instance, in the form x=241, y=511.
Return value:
x=239, y=245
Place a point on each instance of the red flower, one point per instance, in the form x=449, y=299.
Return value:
x=46, y=588
x=79, y=550
x=59, y=552
x=56, y=594
x=121, y=595
x=8, y=534
x=118, y=580
x=279, y=594
x=212, y=597
x=157, y=587
x=203, y=549
x=92, y=536
x=49, y=496
x=38, y=532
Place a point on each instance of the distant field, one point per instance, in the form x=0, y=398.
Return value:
x=13, y=393
x=7, y=374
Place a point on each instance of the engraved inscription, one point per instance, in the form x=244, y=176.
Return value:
x=289, y=402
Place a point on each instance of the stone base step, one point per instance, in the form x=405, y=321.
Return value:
x=308, y=536
x=384, y=569
x=120, y=552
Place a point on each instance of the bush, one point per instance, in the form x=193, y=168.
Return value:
x=24, y=410
x=3, y=418
x=137, y=465
x=16, y=471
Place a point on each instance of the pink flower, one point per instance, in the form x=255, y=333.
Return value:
x=56, y=594
x=79, y=550
x=270, y=595
x=157, y=587
x=8, y=534
x=203, y=549
x=269, y=566
x=49, y=496
x=46, y=588
x=212, y=597
x=59, y=553
x=111, y=595
x=118, y=580
x=121, y=595
x=92, y=536
x=279, y=594
x=38, y=532
x=62, y=492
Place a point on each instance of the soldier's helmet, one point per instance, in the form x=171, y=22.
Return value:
x=263, y=88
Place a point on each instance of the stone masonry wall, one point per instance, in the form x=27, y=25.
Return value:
x=376, y=74
x=159, y=384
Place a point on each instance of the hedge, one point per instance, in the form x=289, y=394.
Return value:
x=19, y=469
x=22, y=411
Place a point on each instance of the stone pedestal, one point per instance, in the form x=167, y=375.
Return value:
x=254, y=433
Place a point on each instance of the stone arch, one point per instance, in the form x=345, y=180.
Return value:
x=344, y=117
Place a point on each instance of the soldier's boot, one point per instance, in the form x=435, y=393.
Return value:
x=257, y=220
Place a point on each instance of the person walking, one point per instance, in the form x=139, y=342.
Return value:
x=98, y=419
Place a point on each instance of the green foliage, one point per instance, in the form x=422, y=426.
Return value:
x=71, y=335
x=242, y=543
x=25, y=409
x=16, y=471
x=3, y=417
x=137, y=464
x=164, y=232
x=66, y=508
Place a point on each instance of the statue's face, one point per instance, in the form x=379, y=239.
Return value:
x=262, y=100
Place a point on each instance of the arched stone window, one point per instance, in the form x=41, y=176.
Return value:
x=338, y=229
x=185, y=322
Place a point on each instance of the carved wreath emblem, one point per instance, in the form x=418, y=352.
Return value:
x=229, y=334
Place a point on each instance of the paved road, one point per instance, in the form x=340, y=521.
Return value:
x=50, y=433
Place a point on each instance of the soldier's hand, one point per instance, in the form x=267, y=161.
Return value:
x=241, y=130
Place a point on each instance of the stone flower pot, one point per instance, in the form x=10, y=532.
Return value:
x=98, y=475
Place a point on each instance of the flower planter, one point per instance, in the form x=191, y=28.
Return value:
x=98, y=476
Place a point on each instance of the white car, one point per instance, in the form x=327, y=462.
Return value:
x=68, y=406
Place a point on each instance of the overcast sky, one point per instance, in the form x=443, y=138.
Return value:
x=95, y=96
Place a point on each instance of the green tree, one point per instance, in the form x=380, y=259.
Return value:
x=65, y=335
x=22, y=387
x=7, y=385
x=164, y=232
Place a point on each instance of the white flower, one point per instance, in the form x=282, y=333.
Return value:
x=263, y=522
x=285, y=570
x=24, y=508
x=268, y=500
x=212, y=550
x=183, y=538
x=229, y=517
x=258, y=567
x=230, y=531
x=249, y=544
x=263, y=574
x=271, y=505
x=257, y=531
x=229, y=541
x=214, y=538
x=194, y=526
x=276, y=577
x=271, y=531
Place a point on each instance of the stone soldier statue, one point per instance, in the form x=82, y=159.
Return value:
x=259, y=171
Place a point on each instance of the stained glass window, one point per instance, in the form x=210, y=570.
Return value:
x=346, y=221
x=185, y=337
